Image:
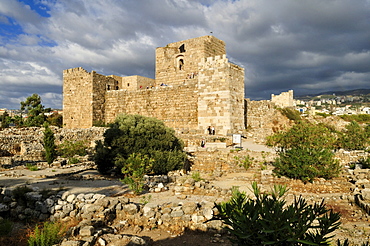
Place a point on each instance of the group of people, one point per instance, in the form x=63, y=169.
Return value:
x=211, y=130
x=191, y=75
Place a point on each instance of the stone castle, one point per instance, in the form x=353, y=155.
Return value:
x=195, y=87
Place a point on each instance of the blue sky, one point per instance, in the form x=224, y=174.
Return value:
x=308, y=46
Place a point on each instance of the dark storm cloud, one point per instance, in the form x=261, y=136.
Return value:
x=307, y=46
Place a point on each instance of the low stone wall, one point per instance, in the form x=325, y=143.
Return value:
x=26, y=144
x=99, y=215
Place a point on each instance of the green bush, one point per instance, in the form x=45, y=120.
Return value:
x=73, y=160
x=31, y=167
x=139, y=134
x=360, y=118
x=49, y=234
x=19, y=194
x=268, y=220
x=322, y=114
x=6, y=227
x=134, y=168
x=69, y=149
x=49, y=145
x=196, y=176
x=306, y=152
x=353, y=137
x=365, y=162
x=245, y=162
x=291, y=113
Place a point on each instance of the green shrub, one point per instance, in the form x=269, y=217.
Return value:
x=306, y=152
x=139, y=134
x=268, y=220
x=134, y=168
x=49, y=234
x=196, y=176
x=49, y=145
x=6, y=227
x=31, y=167
x=69, y=148
x=73, y=160
x=353, y=137
x=291, y=113
x=360, y=118
x=245, y=162
x=365, y=162
x=165, y=161
x=322, y=114
x=19, y=194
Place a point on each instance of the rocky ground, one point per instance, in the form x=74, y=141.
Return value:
x=83, y=178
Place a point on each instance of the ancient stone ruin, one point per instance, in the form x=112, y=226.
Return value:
x=195, y=87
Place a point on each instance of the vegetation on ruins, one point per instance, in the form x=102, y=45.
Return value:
x=364, y=162
x=6, y=227
x=49, y=144
x=55, y=120
x=134, y=168
x=70, y=149
x=306, y=152
x=291, y=113
x=141, y=135
x=245, y=161
x=35, y=111
x=354, y=137
x=5, y=120
x=360, y=118
x=268, y=220
x=50, y=233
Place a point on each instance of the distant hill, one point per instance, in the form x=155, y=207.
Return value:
x=356, y=92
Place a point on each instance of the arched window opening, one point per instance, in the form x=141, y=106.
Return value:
x=182, y=48
x=181, y=64
x=128, y=84
x=108, y=87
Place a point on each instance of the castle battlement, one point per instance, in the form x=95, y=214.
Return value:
x=75, y=70
x=195, y=87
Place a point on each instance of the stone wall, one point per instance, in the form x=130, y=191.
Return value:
x=26, y=144
x=221, y=96
x=171, y=57
x=285, y=99
x=262, y=119
x=163, y=102
x=195, y=87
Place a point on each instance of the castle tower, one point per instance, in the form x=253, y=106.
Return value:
x=177, y=62
x=195, y=87
x=84, y=97
x=221, y=95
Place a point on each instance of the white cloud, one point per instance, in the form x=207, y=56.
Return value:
x=282, y=44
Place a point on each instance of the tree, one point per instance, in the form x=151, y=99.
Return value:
x=55, y=120
x=354, y=137
x=268, y=220
x=5, y=120
x=49, y=145
x=35, y=110
x=306, y=152
x=141, y=135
